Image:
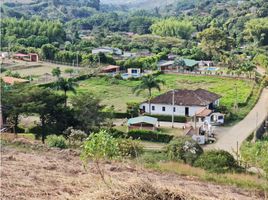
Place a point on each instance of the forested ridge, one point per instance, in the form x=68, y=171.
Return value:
x=202, y=29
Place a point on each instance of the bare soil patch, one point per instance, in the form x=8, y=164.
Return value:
x=59, y=174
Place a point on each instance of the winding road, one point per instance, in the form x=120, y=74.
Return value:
x=231, y=138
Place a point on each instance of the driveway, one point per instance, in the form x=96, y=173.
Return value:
x=231, y=138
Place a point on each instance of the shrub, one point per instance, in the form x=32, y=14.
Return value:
x=56, y=141
x=99, y=146
x=167, y=118
x=184, y=148
x=152, y=136
x=129, y=148
x=218, y=161
x=75, y=135
x=116, y=133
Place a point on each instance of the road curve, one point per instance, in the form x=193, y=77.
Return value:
x=235, y=135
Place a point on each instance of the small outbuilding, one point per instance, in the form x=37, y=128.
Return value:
x=111, y=69
x=142, y=123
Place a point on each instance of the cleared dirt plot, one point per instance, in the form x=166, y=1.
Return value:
x=59, y=175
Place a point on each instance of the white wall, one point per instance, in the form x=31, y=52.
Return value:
x=180, y=110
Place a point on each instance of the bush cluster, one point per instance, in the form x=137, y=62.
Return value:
x=218, y=161
x=184, y=148
x=129, y=148
x=56, y=141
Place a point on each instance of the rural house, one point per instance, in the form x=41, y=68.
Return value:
x=178, y=65
x=199, y=103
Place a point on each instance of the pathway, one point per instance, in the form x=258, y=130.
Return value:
x=231, y=138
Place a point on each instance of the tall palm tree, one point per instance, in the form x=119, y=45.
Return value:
x=148, y=83
x=66, y=85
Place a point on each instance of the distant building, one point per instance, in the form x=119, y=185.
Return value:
x=31, y=57
x=107, y=50
x=177, y=65
x=129, y=55
x=111, y=69
x=136, y=71
x=204, y=63
x=165, y=64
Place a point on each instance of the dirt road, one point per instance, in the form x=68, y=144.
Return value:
x=231, y=138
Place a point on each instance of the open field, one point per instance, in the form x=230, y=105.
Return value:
x=46, y=173
x=118, y=93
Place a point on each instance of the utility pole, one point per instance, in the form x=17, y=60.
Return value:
x=173, y=102
x=77, y=58
x=236, y=100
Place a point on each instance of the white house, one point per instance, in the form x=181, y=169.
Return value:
x=199, y=103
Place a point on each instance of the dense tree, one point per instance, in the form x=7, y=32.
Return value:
x=12, y=102
x=48, y=51
x=140, y=25
x=47, y=104
x=257, y=31
x=66, y=85
x=173, y=27
x=87, y=111
x=214, y=41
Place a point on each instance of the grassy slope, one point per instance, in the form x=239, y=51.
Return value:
x=121, y=93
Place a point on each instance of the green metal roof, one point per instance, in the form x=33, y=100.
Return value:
x=142, y=119
x=190, y=63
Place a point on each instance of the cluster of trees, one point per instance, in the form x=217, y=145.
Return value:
x=33, y=32
x=173, y=28
x=149, y=62
x=55, y=114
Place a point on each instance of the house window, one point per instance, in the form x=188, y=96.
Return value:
x=163, y=108
x=174, y=109
x=143, y=108
x=153, y=108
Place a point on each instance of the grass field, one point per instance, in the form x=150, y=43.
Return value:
x=118, y=93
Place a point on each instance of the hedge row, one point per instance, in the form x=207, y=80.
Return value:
x=167, y=118
x=152, y=136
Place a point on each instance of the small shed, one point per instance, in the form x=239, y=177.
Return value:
x=132, y=71
x=33, y=57
x=142, y=123
x=111, y=69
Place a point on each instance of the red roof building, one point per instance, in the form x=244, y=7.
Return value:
x=12, y=80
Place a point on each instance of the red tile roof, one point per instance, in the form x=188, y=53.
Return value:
x=11, y=80
x=199, y=97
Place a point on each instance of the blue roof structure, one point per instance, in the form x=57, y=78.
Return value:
x=142, y=119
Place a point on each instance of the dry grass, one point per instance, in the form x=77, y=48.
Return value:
x=59, y=175
x=241, y=180
x=135, y=189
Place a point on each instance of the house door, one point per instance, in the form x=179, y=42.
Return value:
x=186, y=111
